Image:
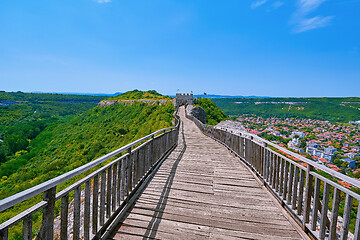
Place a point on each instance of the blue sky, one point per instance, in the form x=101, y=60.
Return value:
x=232, y=47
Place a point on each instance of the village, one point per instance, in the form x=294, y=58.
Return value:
x=335, y=145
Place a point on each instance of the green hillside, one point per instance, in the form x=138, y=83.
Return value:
x=140, y=95
x=24, y=115
x=65, y=145
x=331, y=109
x=214, y=114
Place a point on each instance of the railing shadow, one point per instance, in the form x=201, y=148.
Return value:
x=160, y=207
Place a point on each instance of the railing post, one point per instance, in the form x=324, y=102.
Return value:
x=346, y=217
x=129, y=173
x=27, y=228
x=264, y=162
x=77, y=208
x=324, y=210
x=47, y=228
x=251, y=152
x=273, y=170
x=108, y=192
x=357, y=225
x=122, y=180
x=277, y=172
x=308, y=193
x=4, y=234
x=87, y=210
x=152, y=158
x=102, y=197
x=96, y=204
x=64, y=217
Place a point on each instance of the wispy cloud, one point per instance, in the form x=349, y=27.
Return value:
x=277, y=4
x=303, y=22
x=307, y=6
x=102, y=1
x=312, y=23
x=258, y=3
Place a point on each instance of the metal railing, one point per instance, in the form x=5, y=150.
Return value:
x=297, y=187
x=109, y=188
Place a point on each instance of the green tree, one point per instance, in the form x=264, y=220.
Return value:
x=16, y=143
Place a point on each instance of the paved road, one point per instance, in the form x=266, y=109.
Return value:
x=202, y=191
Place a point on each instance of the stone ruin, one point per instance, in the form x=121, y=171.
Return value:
x=184, y=99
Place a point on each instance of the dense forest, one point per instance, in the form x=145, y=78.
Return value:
x=24, y=115
x=67, y=143
x=214, y=114
x=330, y=109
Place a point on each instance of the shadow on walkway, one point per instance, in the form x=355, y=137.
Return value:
x=156, y=218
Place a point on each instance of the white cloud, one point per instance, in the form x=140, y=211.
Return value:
x=258, y=4
x=277, y=4
x=102, y=1
x=304, y=23
x=307, y=6
x=312, y=23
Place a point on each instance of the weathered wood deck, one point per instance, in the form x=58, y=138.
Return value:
x=202, y=191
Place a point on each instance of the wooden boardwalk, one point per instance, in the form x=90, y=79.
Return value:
x=202, y=191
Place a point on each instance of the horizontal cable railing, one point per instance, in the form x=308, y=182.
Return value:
x=324, y=208
x=98, y=197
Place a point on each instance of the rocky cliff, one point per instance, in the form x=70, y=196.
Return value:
x=197, y=112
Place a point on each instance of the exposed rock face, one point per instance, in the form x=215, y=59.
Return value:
x=130, y=102
x=197, y=112
x=231, y=126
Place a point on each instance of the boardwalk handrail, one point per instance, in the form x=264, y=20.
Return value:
x=298, y=187
x=118, y=181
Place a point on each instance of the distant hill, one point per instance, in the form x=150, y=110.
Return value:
x=226, y=96
x=330, y=109
x=139, y=95
x=75, y=93
x=222, y=96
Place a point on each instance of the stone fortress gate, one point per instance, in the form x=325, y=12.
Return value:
x=184, y=99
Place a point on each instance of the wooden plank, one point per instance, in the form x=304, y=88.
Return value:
x=205, y=186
